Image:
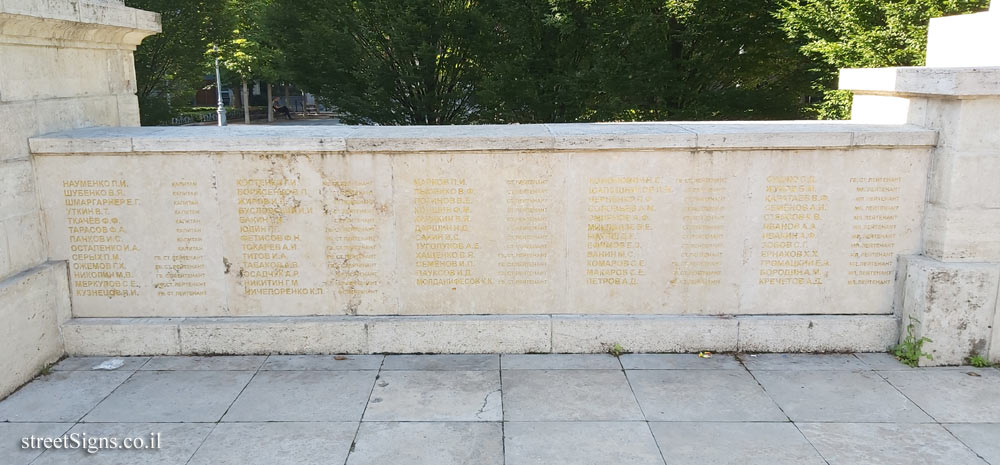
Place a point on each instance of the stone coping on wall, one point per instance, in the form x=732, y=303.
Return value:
x=567, y=137
x=921, y=80
x=106, y=21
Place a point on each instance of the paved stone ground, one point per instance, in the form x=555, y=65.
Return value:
x=513, y=410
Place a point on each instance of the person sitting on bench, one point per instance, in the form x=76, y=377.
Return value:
x=280, y=109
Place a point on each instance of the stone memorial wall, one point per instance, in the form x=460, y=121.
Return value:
x=699, y=219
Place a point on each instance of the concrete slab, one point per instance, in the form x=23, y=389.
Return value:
x=882, y=443
x=88, y=363
x=11, y=435
x=702, y=395
x=275, y=443
x=679, y=362
x=696, y=443
x=838, y=396
x=952, y=396
x=213, y=363
x=882, y=361
x=982, y=438
x=63, y=396
x=172, y=396
x=425, y=443
x=560, y=362
x=303, y=396
x=436, y=396
x=804, y=362
x=178, y=441
x=580, y=443
x=456, y=362
x=323, y=362
x=568, y=395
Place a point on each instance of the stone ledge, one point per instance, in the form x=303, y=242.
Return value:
x=562, y=137
x=919, y=80
x=478, y=334
x=76, y=20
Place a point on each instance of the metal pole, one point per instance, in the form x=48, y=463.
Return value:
x=218, y=90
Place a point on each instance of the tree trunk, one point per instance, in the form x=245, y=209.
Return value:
x=287, y=102
x=270, y=106
x=246, y=103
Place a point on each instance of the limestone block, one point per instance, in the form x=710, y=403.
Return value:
x=25, y=242
x=459, y=334
x=299, y=335
x=966, y=125
x=113, y=336
x=923, y=81
x=887, y=109
x=817, y=333
x=17, y=124
x=29, y=334
x=965, y=179
x=100, y=13
x=966, y=234
x=956, y=40
x=128, y=110
x=572, y=136
x=61, y=114
x=571, y=333
x=52, y=9
x=431, y=138
x=17, y=189
x=954, y=305
x=43, y=72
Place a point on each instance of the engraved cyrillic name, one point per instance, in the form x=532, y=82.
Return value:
x=180, y=270
x=703, y=231
x=793, y=213
x=524, y=258
x=874, y=230
x=442, y=227
x=99, y=249
x=618, y=216
x=270, y=253
x=352, y=236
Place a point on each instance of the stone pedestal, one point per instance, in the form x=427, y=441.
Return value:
x=951, y=288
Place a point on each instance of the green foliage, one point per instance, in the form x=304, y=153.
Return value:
x=246, y=49
x=979, y=361
x=862, y=33
x=616, y=350
x=910, y=349
x=171, y=66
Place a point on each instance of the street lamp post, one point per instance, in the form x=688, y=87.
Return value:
x=218, y=89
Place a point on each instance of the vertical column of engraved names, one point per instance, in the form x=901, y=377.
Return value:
x=793, y=213
x=181, y=271
x=703, y=231
x=352, y=236
x=618, y=213
x=445, y=249
x=524, y=259
x=98, y=250
x=874, y=233
x=271, y=256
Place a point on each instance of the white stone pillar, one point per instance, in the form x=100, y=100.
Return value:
x=63, y=64
x=951, y=288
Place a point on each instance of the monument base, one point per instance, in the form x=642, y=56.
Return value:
x=478, y=334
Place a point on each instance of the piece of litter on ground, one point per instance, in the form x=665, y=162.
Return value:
x=340, y=357
x=705, y=354
x=112, y=364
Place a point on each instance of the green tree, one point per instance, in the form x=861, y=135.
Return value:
x=246, y=51
x=171, y=66
x=862, y=33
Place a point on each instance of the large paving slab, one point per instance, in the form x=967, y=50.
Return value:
x=303, y=396
x=888, y=444
x=11, y=435
x=211, y=363
x=702, y=395
x=881, y=361
x=62, y=396
x=276, y=443
x=560, y=362
x=696, y=443
x=804, y=362
x=838, y=396
x=580, y=443
x=952, y=396
x=453, y=362
x=679, y=362
x=323, y=362
x=436, y=396
x=568, y=395
x=178, y=442
x=982, y=438
x=172, y=396
x=88, y=363
x=428, y=443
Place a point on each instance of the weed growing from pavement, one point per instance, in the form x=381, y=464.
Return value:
x=910, y=350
